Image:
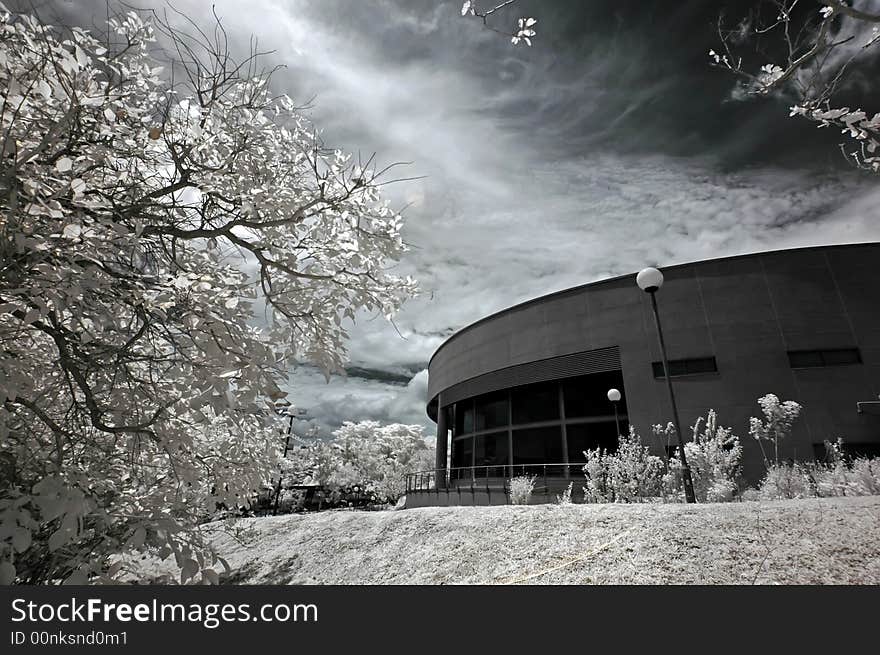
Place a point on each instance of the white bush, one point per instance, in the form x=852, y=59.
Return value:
x=787, y=480
x=521, y=488
x=834, y=477
x=628, y=475
x=714, y=457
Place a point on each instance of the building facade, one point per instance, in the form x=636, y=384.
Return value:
x=528, y=385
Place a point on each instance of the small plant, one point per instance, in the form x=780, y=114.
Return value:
x=521, y=488
x=565, y=497
x=778, y=419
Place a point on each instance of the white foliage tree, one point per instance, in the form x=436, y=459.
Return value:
x=134, y=373
x=368, y=455
x=779, y=417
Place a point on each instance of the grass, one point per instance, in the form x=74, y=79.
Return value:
x=809, y=541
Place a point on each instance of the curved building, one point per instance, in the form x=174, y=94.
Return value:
x=528, y=385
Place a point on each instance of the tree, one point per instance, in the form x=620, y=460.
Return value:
x=371, y=456
x=138, y=358
x=779, y=417
x=813, y=49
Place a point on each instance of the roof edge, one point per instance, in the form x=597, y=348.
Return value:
x=579, y=287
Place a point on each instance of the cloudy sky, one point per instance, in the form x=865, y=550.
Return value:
x=608, y=145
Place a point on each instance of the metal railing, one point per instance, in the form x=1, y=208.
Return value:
x=494, y=477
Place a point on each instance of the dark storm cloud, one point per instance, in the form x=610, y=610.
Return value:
x=634, y=76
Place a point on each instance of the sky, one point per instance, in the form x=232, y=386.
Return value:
x=609, y=145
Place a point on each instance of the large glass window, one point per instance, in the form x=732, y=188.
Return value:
x=537, y=446
x=492, y=411
x=462, y=456
x=464, y=417
x=535, y=402
x=490, y=450
x=588, y=395
x=589, y=420
x=588, y=436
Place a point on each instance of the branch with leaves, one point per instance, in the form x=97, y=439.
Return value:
x=524, y=31
x=813, y=53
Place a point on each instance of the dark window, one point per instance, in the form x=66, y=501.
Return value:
x=588, y=395
x=535, y=402
x=491, y=450
x=692, y=366
x=462, y=454
x=492, y=411
x=537, y=446
x=830, y=357
x=464, y=417
x=850, y=451
x=589, y=436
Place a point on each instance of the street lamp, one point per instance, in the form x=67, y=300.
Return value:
x=614, y=397
x=649, y=281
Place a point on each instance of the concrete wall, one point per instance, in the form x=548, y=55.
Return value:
x=746, y=311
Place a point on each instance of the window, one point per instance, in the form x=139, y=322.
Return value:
x=588, y=395
x=462, y=455
x=537, y=446
x=693, y=366
x=491, y=411
x=830, y=357
x=535, y=402
x=490, y=450
x=589, y=436
x=464, y=417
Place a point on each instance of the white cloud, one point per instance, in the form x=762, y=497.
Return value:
x=341, y=399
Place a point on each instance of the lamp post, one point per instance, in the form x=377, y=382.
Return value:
x=649, y=281
x=614, y=397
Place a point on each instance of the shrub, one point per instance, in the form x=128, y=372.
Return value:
x=834, y=477
x=565, y=497
x=714, y=457
x=750, y=494
x=787, y=480
x=627, y=475
x=866, y=476
x=521, y=488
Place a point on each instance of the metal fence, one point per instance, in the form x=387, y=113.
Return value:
x=494, y=477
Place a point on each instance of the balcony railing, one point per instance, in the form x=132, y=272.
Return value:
x=493, y=478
